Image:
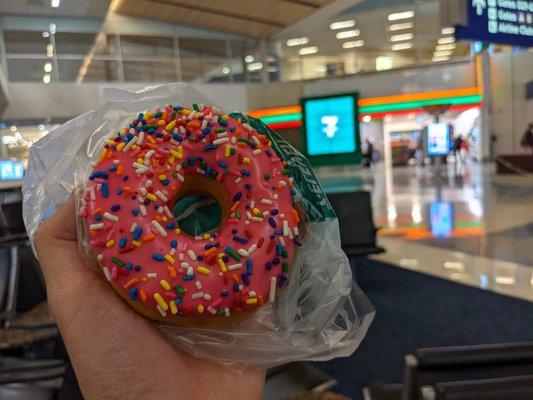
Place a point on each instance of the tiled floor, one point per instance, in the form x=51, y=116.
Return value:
x=474, y=228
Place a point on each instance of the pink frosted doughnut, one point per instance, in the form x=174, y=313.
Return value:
x=163, y=272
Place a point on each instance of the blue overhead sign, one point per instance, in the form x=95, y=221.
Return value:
x=499, y=21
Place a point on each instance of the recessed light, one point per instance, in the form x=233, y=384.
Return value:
x=297, y=41
x=400, y=26
x=446, y=53
x=55, y=3
x=46, y=34
x=348, y=34
x=446, y=40
x=438, y=59
x=308, y=50
x=402, y=46
x=47, y=67
x=401, y=15
x=226, y=70
x=52, y=28
x=46, y=78
x=402, y=37
x=447, y=31
x=352, y=44
x=41, y=127
x=13, y=128
x=450, y=46
x=255, y=66
x=342, y=24
x=249, y=58
x=367, y=118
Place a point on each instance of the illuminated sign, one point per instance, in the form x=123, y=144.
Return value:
x=498, y=21
x=438, y=139
x=331, y=128
x=11, y=170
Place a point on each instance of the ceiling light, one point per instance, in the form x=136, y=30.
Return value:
x=342, y=24
x=446, y=40
x=352, y=44
x=402, y=37
x=402, y=46
x=297, y=41
x=52, y=28
x=348, y=34
x=46, y=34
x=48, y=67
x=308, y=50
x=321, y=68
x=46, y=78
x=13, y=128
x=450, y=46
x=249, y=58
x=442, y=53
x=226, y=70
x=400, y=26
x=55, y=3
x=447, y=31
x=437, y=59
x=41, y=127
x=50, y=50
x=255, y=66
x=401, y=15
x=367, y=118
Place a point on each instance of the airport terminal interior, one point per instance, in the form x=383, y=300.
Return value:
x=416, y=117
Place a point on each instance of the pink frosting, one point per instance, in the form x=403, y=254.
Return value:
x=261, y=231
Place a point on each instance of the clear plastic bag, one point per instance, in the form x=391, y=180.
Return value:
x=319, y=315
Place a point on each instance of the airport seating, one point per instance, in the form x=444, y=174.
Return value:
x=356, y=223
x=441, y=370
x=507, y=388
x=28, y=337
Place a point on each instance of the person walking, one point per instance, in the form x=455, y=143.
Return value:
x=527, y=140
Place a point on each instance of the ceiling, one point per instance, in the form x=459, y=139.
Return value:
x=253, y=18
x=371, y=20
x=68, y=8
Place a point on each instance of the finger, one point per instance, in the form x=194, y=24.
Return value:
x=62, y=225
x=56, y=244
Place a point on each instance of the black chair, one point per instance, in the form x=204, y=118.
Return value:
x=440, y=371
x=356, y=223
x=427, y=366
x=30, y=379
x=508, y=388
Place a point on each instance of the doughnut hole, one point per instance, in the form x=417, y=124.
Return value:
x=201, y=205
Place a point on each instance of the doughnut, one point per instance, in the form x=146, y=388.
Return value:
x=163, y=272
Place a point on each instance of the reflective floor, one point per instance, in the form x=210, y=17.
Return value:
x=459, y=222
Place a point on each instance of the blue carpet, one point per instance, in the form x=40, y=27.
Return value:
x=415, y=310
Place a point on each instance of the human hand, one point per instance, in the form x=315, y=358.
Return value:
x=116, y=353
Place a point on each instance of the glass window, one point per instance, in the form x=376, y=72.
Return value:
x=25, y=42
x=94, y=71
x=28, y=70
x=201, y=57
x=149, y=71
x=68, y=43
x=134, y=46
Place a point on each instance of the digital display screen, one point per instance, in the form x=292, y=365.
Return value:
x=330, y=125
x=11, y=170
x=438, y=140
x=441, y=218
x=499, y=21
